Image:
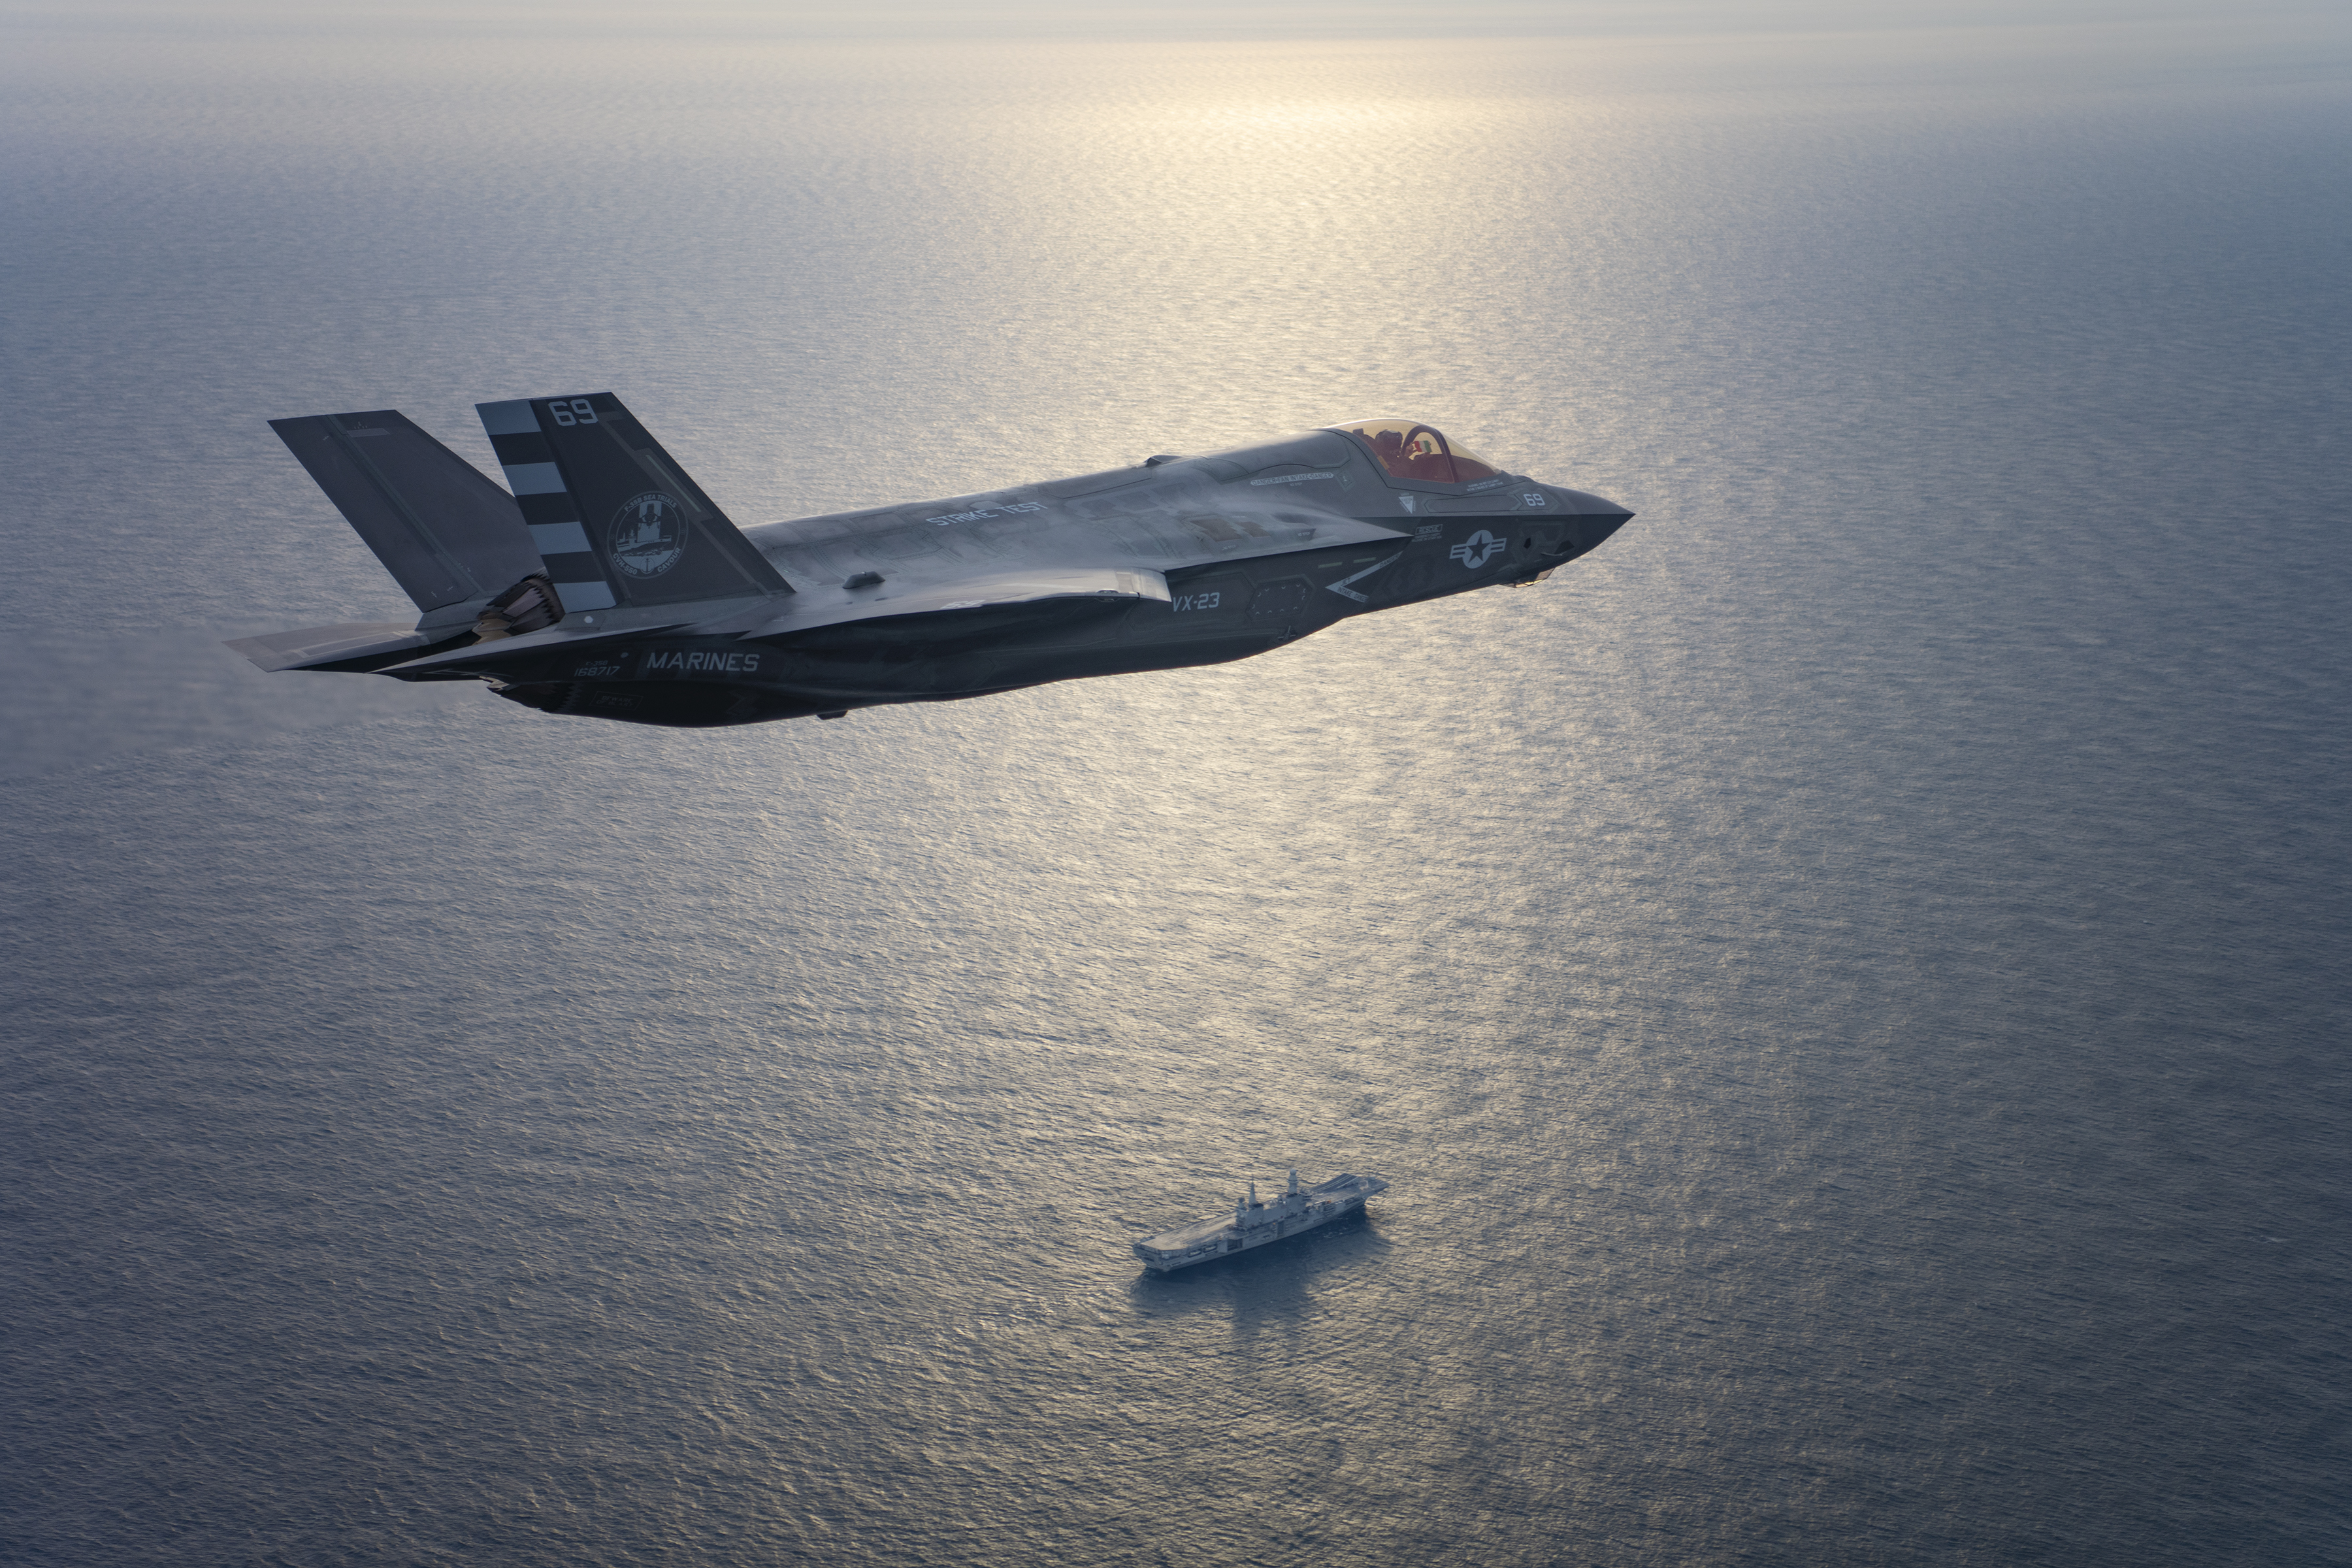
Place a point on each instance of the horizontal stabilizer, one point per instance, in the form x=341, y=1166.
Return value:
x=355, y=646
x=446, y=533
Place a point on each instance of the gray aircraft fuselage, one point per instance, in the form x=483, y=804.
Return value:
x=1176, y=561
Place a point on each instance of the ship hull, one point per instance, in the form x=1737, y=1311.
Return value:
x=1293, y=1214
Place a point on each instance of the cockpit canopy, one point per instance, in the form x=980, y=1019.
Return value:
x=1408, y=449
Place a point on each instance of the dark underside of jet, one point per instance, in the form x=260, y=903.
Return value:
x=607, y=585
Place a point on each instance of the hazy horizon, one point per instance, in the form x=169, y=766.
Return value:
x=2137, y=21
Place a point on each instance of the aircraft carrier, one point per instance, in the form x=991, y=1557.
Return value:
x=1255, y=1224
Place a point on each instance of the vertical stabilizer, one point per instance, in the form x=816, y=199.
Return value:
x=446, y=533
x=618, y=521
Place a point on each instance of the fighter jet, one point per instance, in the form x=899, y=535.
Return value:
x=609, y=585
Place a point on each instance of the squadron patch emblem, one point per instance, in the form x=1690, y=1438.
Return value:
x=648, y=534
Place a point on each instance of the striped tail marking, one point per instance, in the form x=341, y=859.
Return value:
x=548, y=509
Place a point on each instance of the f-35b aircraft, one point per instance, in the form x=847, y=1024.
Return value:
x=609, y=585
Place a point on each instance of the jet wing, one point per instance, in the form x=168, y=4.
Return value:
x=1031, y=585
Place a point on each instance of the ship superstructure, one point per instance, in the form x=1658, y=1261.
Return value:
x=1254, y=1222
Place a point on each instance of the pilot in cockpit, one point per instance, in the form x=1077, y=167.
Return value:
x=1408, y=449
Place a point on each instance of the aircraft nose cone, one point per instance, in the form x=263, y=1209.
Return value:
x=1596, y=518
x=1596, y=527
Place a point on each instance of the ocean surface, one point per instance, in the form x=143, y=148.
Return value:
x=1850, y=983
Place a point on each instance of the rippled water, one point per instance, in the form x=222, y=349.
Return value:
x=1849, y=983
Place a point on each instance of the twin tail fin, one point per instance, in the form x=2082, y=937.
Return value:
x=449, y=537
x=618, y=521
x=601, y=517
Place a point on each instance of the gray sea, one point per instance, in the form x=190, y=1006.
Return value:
x=1848, y=983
